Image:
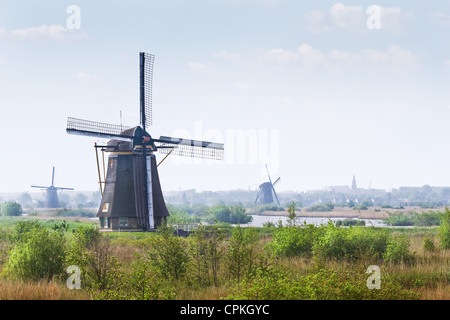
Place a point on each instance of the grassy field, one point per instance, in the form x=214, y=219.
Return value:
x=424, y=275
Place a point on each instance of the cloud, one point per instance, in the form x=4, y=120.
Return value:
x=345, y=16
x=242, y=86
x=306, y=58
x=54, y=31
x=342, y=17
x=82, y=75
x=441, y=19
x=203, y=67
x=226, y=55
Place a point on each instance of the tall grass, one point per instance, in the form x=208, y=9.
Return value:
x=39, y=290
x=291, y=262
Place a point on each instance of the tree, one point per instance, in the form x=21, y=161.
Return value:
x=11, y=208
x=25, y=200
x=40, y=256
x=205, y=253
x=241, y=255
x=444, y=229
x=168, y=254
x=292, y=215
x=93, y=254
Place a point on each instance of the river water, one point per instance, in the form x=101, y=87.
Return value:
x=259, y=220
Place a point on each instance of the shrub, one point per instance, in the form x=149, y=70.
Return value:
x=427, y=219
x=321, y=207
x=444, y=229
x=294, y=241
x=397, y=249
x=329, y=241
x=22, y=229
x=334, y=243
x=428, y=245
x=399, y=219
x=75, y=213
x=360, y=207
x=205, y=253
x=241, y=256
x=167, y=254
x=11, y=208
x=39, y=256
x=93, y=255
x=321, y=284
x=350, y=222
x=223, y=213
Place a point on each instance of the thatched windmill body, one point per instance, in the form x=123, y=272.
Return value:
x=132, y=198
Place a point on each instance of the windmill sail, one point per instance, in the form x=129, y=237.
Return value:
x=96, y=129
x=190, y=148
x=132, y=175
x=146, y=83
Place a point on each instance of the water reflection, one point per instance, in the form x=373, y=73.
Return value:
x=258, y=221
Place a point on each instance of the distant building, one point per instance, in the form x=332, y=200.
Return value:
x=354, y=186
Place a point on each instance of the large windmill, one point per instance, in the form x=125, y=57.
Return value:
x=132, y=197
x=265, y=191
x=51, y=193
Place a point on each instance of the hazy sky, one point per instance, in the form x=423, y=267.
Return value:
x=318, y=90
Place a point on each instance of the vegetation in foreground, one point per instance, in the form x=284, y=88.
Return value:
x=284, y=262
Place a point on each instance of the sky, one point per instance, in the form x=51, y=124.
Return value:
x=317, y=90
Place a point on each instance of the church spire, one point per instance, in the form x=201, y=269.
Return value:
x=354, y=183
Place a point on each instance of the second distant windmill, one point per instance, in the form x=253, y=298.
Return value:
x=51, y=193
x=266, y=190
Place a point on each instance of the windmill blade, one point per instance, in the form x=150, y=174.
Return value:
x=61, y=188
x=190, y=148
x=276, y=181
x=40, y=187
x=259, y=194
x=270, y=180
x=53, y=176
x=96, y=129
x=276, y=197
x=146, y=83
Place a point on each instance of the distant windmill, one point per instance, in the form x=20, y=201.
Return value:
x=265, y=191
x=51, y=194
x=132, y=198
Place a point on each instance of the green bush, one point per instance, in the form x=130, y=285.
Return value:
x=294, y=241
x=321, y=207
x=399, y=219
x=75, y=213
x=428, y=245
x=444, y=229
x=11, y=208
x=423, y=219
x=241, y=256
x=397, y=249
x=350, y=222
x=321, y=284
x=40, y=255
x=329, y=241
x=168, y=254
x=427, y=219
x=224, y=213
x=93, y=254
x=267, y=207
